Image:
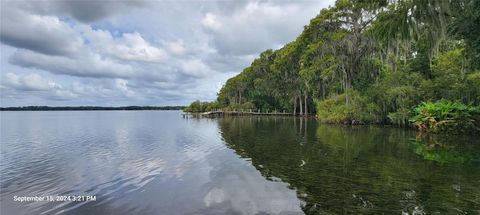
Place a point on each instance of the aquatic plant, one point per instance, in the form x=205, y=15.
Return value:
x=446, y=117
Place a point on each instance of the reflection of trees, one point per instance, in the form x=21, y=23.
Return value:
x=447, y=149
x=345, y=170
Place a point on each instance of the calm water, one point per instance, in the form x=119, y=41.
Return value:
x=156, y=162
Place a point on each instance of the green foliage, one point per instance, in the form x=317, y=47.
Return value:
x=450, y=76
x=473, y=83
x=447, y=116
x=336, y=110
x=466, y=26
x=245, y=107
x=400, y=117
x=200, y=107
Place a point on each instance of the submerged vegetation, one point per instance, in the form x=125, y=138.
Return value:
x=371, y=61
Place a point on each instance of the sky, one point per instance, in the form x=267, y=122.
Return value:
x=142, y=52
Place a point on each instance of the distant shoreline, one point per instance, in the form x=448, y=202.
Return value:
x=89, y=108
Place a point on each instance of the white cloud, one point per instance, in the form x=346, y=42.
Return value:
x=29, y=82
x=211, y=22
x=93, y=89
x=129, y=46
x=195, y=68
x=121, y=84
x=64, y=95
x=87, y=65
x=33, y=84
x=134, y=47
x=176, y=47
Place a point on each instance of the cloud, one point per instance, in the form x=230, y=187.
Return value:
x=229, y=63
x=63, y=95
x=89, y=65
x=122, y=85
x=258, y=25
x=30, y=82
x=128, y=46
x=90, y=11
x=211, y=22
x=33, y=85
x=175, y=47
x=195, y=68
x=85, y=11
x=43, y=34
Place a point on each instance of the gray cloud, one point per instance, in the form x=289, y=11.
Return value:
x=85, y=11
x=229, y=63
x=91, y=10
x=44, y=34
x=258, y=25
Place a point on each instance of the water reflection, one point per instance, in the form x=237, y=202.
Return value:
x=134, y=162
x=352, y=170
x=447, y=149
x=156, y=162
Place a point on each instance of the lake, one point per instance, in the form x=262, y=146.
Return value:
x=157, y=162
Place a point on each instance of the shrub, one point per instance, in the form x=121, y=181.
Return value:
x=200, y=107
x=335, y=109
x=446, y=116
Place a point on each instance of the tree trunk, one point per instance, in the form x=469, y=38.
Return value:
x=348, y=86
x=300, y=100
x=295, y=106
x=305, y=103
x=324, y=93
x=240, y=97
